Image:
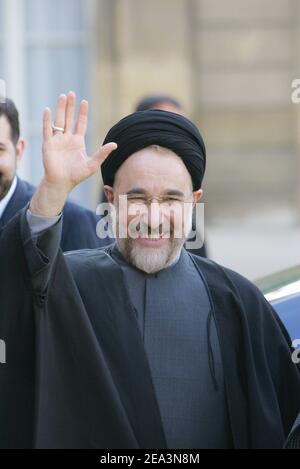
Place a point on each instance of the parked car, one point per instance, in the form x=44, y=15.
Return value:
x=282, y=290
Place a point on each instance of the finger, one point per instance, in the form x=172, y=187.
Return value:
x=70, y=111
x=82, y=120
x=47, y=127
x=60, y=112
x=99, y=157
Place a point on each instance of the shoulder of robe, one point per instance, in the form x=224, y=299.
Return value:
x=81, y=258
x=223, y=280
x=95, y=272
x=85, y=262
x=224, y=277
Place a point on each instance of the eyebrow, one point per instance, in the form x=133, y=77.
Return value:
x=174, y=192
x=136, y=190
x=170, y=192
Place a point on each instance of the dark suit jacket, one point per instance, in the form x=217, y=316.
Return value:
x=79, y=224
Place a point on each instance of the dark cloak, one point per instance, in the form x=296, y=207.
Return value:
x=77, y=374
x=293, y=441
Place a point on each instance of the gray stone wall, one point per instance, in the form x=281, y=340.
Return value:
x=231, y=63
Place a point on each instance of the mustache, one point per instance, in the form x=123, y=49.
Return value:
x=145, y=230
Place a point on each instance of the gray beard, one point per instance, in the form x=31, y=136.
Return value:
x=150, y=260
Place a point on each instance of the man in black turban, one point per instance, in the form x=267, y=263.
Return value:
x=168, y=130
x=158, y=139
x=141, y=344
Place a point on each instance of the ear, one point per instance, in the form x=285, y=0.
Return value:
x=20, y=148
x=109, y=192
x=197, y=196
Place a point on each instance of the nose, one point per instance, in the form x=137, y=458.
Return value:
x=154, y=216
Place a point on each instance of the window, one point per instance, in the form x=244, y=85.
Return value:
x=46, y=53
x=1, y=39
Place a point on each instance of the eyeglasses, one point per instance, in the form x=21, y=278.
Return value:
x=170, y=201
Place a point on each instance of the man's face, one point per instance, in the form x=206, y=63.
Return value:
x=10, y=155
x=157, y=217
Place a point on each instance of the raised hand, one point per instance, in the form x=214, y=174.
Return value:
x=64, y=153
x=66, y=162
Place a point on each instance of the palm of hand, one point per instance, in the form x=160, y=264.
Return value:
x=66, y=160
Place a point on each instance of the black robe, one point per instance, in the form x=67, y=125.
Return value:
x=293, y=441
x=77, y=375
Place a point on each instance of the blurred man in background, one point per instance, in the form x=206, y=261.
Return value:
x=79, y=224
x=160, y=101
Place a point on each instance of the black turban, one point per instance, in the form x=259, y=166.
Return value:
x=156, y=127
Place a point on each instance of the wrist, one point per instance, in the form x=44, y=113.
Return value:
x=49, y=199
x=56, y=189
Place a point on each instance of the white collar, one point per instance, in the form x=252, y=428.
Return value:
x=4, y=202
